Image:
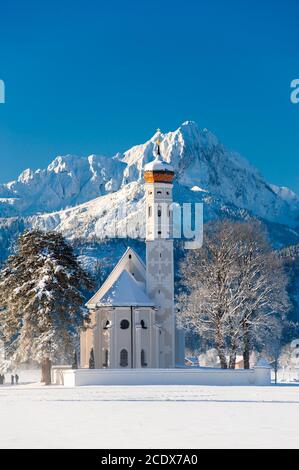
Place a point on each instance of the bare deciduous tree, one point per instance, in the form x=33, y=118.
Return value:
x=234, y=288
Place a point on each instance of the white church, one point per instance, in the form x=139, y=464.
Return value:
x=132, y=338
x=132, y=315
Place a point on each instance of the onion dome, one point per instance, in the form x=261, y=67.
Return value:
x=158, y=170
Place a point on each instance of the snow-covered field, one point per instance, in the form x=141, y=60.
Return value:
x=34, y=416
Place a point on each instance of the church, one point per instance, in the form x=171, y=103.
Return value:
x=131, y=337
x=132, y=315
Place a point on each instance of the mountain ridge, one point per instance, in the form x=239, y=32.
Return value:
x=198, y=157
x=98, y=197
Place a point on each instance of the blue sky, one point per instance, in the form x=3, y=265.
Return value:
x=98, y=77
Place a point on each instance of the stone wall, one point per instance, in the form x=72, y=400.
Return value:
x=260, y=375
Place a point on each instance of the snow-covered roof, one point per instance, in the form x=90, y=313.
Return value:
x=130, y=263
x=158, y=165
x=126, y=292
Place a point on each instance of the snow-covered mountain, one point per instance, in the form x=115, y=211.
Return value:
x=67, y=181
x=98, y=197
x=201, y=160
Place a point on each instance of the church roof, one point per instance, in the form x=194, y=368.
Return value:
x=125, y=285
x=126, y=292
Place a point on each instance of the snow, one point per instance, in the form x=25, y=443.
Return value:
x=285, y=193
x=98, y=197
x=109, y=216
x=197, y=188
x=35, y=416
x=126, y=291
x=158, y=165
x=196, y=155
x=67, y=181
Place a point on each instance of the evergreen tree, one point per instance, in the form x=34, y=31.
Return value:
x=42, y=300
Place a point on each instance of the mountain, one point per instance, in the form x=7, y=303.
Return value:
x=96, y=197
x=200, y=160
x=67, y=181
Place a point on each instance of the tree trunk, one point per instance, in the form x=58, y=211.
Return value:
x=232, y=360
x=233, y=351
x=246, y=351
x=222, y=358
x=46, y=371
x=220, y=348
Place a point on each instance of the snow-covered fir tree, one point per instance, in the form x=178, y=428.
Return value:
x=42, y=300
x=235, y=290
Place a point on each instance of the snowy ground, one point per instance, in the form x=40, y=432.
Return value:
x=34, y=416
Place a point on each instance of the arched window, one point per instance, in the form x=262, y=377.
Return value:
x=106, y=358
x=123, y=358
x=124, y=324
x=149, y=211
x=143, y=326
x=143, y=362
x=106, y=325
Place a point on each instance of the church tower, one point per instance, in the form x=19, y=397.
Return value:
x=159, y=177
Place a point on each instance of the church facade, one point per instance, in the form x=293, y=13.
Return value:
x=132, y=317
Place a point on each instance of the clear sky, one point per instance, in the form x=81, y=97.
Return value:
x=100, y=76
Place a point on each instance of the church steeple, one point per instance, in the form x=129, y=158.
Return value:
x=159, y=175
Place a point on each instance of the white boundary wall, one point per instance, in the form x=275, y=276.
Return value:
x=260, y=375
x=57, y=374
